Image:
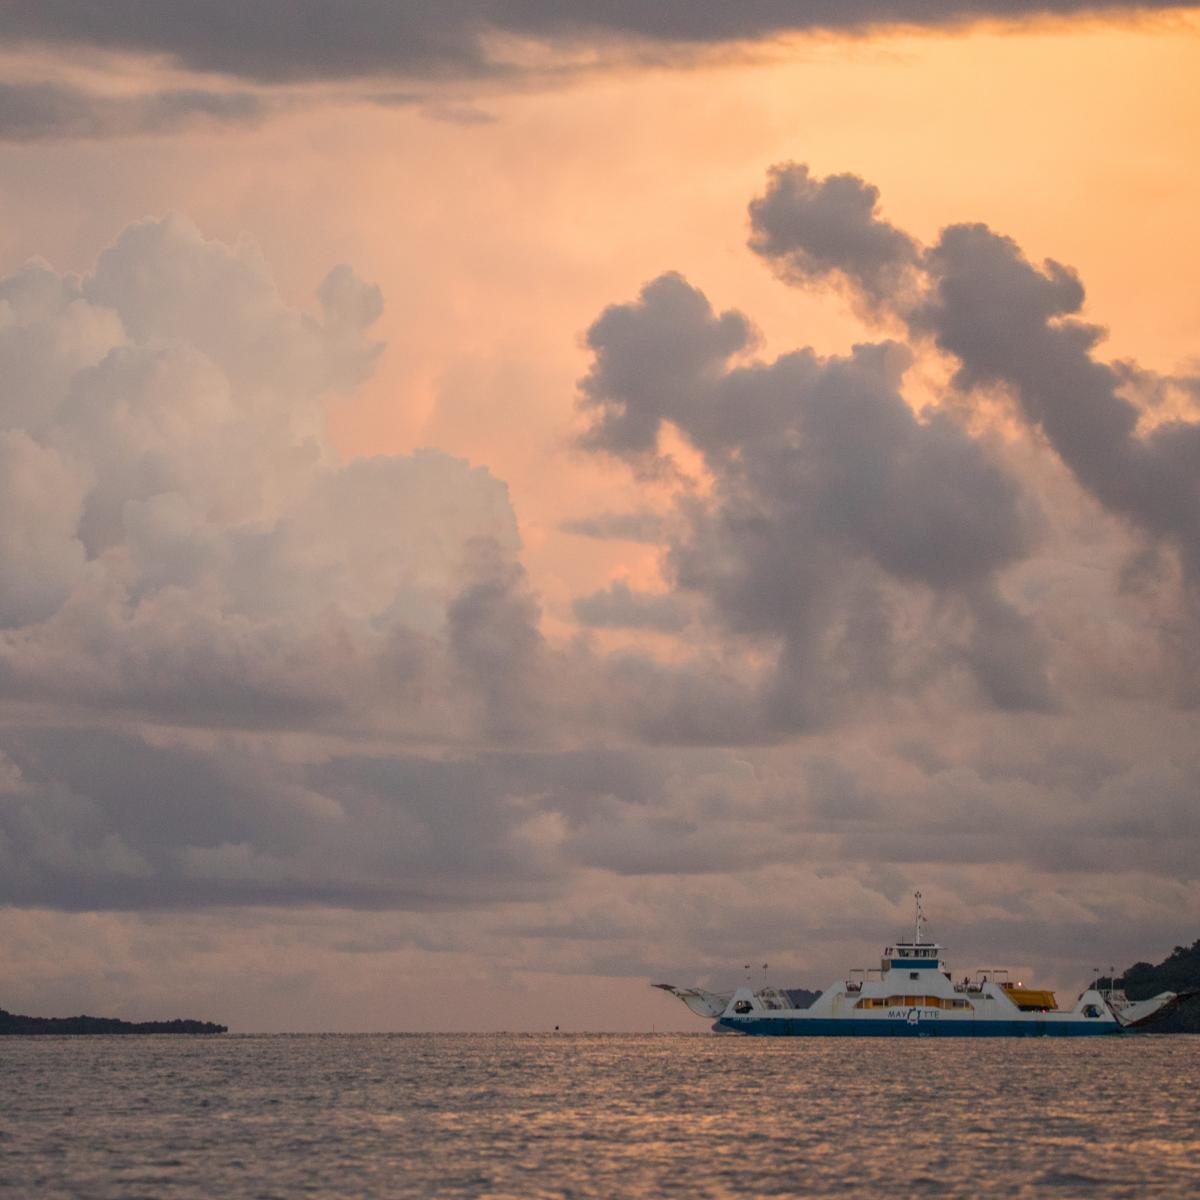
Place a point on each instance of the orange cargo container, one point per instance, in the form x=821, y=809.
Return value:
x=1031, y=999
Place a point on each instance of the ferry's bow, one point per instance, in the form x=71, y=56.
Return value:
x=702, y=1003
x=1133, y=1013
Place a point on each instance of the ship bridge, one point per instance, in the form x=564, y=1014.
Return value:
x=917, y=954
x=912, y=956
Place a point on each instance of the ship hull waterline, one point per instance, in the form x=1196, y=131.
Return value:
x=849, y=1027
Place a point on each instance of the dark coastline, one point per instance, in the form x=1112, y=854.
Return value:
x=1178, y=972
x=15, y=1025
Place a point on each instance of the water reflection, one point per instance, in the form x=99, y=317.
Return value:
x=602, y=1116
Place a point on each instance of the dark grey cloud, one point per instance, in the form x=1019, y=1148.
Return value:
x=1012, y=325
x=496, y=646
x=834, y=508
x=649, y=359
x=275, y=40
x=621, y=607
x=1009, y=322
x=92, y=818
x=711, y=21
x=32, y=112
x=809, y=229
x=108, y=820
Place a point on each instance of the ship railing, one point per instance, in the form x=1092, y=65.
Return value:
x=998, y=975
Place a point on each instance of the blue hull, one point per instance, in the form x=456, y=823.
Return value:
x=851, y=1027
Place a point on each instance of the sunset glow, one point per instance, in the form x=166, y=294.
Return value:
x=435, y=582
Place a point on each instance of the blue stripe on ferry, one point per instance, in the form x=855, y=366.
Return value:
x=852, y=1027
x=917, y=964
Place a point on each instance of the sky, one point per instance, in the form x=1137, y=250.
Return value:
x=505, y=503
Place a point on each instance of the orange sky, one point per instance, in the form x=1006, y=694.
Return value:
x=497, y=245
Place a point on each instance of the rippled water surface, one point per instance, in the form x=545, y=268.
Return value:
x=605, y=1116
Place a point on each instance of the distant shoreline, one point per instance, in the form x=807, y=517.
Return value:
x=15, y=1025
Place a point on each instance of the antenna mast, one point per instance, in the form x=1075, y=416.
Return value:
x=920, y=922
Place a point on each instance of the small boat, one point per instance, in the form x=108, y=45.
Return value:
x=913, y=994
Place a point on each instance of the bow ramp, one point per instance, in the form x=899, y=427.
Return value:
x=702, y=1003
x=1133, y=1013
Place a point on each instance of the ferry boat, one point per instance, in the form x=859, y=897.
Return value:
x=913, y=994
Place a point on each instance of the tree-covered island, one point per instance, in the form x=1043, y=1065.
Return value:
x=15, y=1024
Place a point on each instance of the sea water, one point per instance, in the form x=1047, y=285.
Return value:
x=609, y=1116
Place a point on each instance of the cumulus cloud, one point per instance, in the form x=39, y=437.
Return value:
x=319, y=39
x=180, y=538
x=1011, y=323
x=1004, y=321
x=870, y=556
x=1007, y=323
x=809, y=229
x=837, y=517
x=647, y=359
x=181, y=547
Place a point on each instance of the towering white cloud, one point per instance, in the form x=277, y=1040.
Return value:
x=176, y=514
x=181, y=547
